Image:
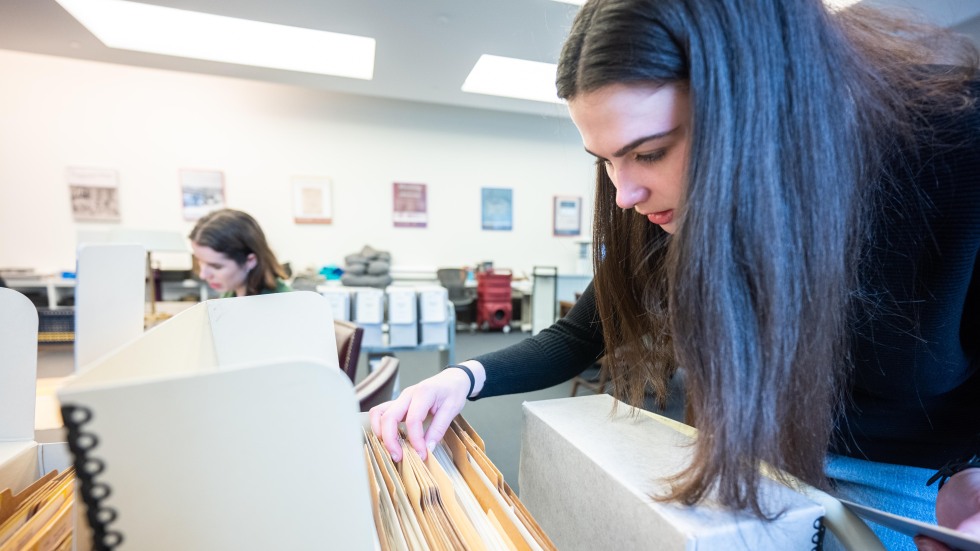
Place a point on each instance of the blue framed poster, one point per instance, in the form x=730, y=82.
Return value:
x=498, y=209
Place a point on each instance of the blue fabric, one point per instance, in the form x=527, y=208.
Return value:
x=896, y=489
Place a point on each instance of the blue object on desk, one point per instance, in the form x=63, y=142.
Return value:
x=67, y=275
x=331, y=271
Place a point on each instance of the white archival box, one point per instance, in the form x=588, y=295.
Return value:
x=587, y=476
x=433, y=321
x=403, y=328
x=229, y=426
x=22, y=460
x=369, y=314
x=339, y=298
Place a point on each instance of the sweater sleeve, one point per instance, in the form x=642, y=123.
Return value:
x=553, y=356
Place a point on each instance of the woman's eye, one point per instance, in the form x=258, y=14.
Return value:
x=650, y=157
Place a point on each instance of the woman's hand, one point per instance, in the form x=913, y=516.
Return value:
x=442, y=395
x=957, y=507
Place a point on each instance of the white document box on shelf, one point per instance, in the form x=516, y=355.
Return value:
x=369, y=313
x=22, y=460
x=587, y=478
x=433, y=319
x=403, y=325
x=339, y=299
x=229, y=426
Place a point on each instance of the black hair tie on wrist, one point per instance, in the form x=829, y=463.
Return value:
x=468, y=374
x=953, y=467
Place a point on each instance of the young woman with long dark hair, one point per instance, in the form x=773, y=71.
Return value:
x=233, y=256
x=788, y=208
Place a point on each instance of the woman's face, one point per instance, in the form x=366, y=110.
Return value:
x=641, y=134
x=221, y=272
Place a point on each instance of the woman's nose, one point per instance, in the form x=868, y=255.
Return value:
x=629, y=192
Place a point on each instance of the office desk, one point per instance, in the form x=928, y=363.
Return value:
x=50, y=284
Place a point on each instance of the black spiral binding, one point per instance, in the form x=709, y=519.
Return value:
x=817, y=538
x=87, y=468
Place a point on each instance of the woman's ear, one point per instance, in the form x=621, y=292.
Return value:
x=251, y=261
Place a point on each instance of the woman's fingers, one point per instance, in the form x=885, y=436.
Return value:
x=389, y=425
x=441, y=420
x=375, y=415
x=422, y=403
x=443, y=395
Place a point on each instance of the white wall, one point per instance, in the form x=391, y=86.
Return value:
x=148, y=124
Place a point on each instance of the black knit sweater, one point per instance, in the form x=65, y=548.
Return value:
x=915, y=392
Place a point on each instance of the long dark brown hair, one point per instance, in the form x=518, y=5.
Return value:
x=236, y=235
x=795, y=110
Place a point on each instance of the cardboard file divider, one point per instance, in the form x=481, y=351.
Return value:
x=408, y=522
x=478, y=452
x=375, y=495
x=203, y=424
x=450, y=528
x=52, y=514
x=9, y=502
x=414, y=494
x=488, y=502
x=465, y=426
x=448, y=496
x=479, y=455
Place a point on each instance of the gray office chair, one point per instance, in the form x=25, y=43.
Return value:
x=463, y=299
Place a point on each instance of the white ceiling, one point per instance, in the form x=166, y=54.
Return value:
x=425, y=48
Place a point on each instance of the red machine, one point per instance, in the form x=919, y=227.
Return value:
x=493, y=307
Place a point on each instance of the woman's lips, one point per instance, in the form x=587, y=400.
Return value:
x=661, y=218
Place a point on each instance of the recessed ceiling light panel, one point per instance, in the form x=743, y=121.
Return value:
x=169, y=31
x=513, y=78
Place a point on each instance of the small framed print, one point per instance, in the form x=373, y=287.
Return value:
x=409, y=205
x=312, y=200
x=202, y=191
x=94, y=194
x=567, y=216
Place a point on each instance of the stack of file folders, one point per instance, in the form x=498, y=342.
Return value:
x=39, y=518
x=454, y=499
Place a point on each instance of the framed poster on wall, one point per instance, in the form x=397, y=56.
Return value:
x=202, y=191
x=409, y=206
x=567, y=219
x=94, y=194
x=312, y=200
x=498, y=209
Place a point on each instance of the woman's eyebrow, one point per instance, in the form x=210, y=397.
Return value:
x=637, y=142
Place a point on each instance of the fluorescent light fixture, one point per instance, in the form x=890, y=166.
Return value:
x=576, y=2
x=182, y=33
x=513, y=78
